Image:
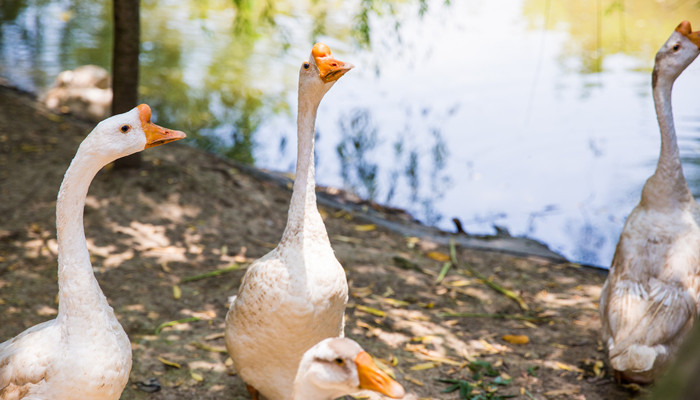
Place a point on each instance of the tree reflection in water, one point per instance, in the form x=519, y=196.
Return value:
x=421, y=166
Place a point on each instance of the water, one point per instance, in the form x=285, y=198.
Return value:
x=532, y=115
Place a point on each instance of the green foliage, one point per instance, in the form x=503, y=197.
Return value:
x=482, y=388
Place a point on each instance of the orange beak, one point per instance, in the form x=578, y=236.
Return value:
x=373, y=378
x=331, y=69
x=684, y=29
x=156, y=135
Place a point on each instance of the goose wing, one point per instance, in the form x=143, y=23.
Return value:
x=25, y=358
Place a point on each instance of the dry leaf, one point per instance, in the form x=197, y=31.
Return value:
x=438, y=256
x=347, y=239
x=214, y=336
x=365, y=228
x=566, y=367
x=441, y=360
x=561, y=392
x=599, y=369
x=361, y=291
x=423, y=366
x=413, y=381
x=197, y=377
x=363, y=324
x=169, y=363
x=395, y=302
x=394, y=361
x=516, y=339
x=371, y=310
x=177, y=292
x=214, y=349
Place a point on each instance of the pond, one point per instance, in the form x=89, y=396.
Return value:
x=533, y=116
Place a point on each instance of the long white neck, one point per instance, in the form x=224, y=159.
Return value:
x=77, y=287
x=668, y=184
x=304, y=221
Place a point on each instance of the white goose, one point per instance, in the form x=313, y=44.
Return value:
x=338, y=366
x=84, y=353
x=294, y=296
x=650, y=300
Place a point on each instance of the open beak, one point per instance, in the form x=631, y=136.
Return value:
x=373, y=378
x=685, y=29
x=156, y=135
x=330, y=68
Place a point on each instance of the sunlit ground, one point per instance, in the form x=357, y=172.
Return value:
x=157, y=235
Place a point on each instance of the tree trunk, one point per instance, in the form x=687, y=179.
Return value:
x=125, y=65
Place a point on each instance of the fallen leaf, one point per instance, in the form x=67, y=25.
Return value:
x=441, y=360
x=361, y=291
x=363, y=324
x=561, y=392
x=164, y=267
x=395, y=302
x=413, y=381
x=177, y=292
x=598, y=369
x=516, y=339
x=197, y=377
x=423, y=366
x=169, y=363
x=566, y=367
x=214, y=336
x=371, y=310
x=443, y=272
x=459, y=283
x=214, y=349
x=438, y=256
x=347, y=239
x=365, y=228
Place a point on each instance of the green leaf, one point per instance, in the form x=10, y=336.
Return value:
x=531, y=370
x=500, y=381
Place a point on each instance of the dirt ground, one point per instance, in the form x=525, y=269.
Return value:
x=186, y=213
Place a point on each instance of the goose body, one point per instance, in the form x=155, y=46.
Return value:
x=295, y=296
x=650, y=299
x=83, y=353
x=335, y=367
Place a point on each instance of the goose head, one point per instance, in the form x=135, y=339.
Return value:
x=127, y=133
x=338, y=366
x=321, y=71
x=676, y=54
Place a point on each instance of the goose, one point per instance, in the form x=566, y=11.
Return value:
x=649, y=301
x=84, y=353
x=295, y=295
x=338, y=366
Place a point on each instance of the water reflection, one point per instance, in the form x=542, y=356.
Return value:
x=359, y=138
x=531, y=115
x=418, y=167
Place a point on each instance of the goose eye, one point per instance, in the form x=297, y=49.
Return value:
x=125, y=128
x=676, y=47
x=339, y=361
x=306, y=65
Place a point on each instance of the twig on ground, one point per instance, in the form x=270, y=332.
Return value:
x=486, y=315
x=210, y=274
x=500, y=289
